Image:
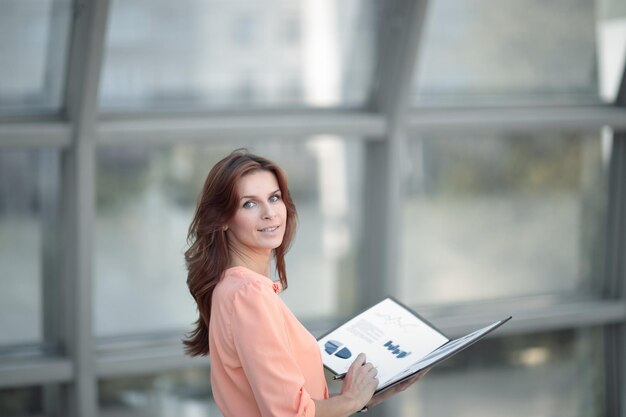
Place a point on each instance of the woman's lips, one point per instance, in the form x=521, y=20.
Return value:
x=269, y=229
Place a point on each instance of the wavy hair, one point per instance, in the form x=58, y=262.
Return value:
x=208, y=254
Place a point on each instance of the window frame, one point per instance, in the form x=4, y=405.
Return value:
x=384, y=122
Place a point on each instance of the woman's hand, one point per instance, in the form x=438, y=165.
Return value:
x=393, y=391
x=356, y=392
x=360, y=382
x=358, y=387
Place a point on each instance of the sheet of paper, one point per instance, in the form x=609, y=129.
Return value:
x=447, y=350
x=392, y=338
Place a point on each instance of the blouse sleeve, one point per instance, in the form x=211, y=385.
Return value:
x=260, y=338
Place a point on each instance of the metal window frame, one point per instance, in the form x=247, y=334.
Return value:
x=615, y=286
x=615, y=265
x=396, y=55
x=78, y=205
x=398, y=41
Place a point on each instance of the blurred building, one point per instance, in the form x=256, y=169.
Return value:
x=467, y=158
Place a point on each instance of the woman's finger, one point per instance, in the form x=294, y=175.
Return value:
x=368, y=365
x=358, y=362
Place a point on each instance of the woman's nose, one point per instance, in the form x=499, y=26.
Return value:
x=268, y=211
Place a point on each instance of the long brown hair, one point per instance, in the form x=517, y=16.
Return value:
x=208, y=257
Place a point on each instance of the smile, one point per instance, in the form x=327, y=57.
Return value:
x=269, y=229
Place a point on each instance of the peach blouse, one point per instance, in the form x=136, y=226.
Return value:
x=263, y=361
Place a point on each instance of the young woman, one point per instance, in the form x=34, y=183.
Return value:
x=263, y=361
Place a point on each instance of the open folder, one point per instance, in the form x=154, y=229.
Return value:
x=396, y=340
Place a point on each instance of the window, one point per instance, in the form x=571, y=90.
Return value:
x=22, y=401
x=525, y=52
x=23, y=236
x=210, y=47
x=492, y=216
x=184, y=393
x=543, y=374
x=146, y=198
x=33, y=45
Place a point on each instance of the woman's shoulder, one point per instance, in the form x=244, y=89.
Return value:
x=239, y=279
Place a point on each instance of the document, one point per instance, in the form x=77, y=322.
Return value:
x=396, y=340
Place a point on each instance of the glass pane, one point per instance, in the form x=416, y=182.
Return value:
x=611, y=35
x=148, y=196
x=181, y=394
x=548, y=374
x=33, y=46
x=22, y=174
x=222, y=55
x=518, y=51
x=21, y=402
x=487, y=217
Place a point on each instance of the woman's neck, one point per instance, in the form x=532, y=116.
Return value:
x=259, y=263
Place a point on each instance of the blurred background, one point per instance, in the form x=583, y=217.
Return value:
x=466, y=157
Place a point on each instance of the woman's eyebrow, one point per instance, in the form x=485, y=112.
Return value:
x=253, y=196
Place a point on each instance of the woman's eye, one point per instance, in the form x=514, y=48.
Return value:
x=248, y=204
x=274, y=198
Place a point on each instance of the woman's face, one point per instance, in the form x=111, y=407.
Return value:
x=260, y=220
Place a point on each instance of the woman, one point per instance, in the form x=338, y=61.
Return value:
x=263, y=361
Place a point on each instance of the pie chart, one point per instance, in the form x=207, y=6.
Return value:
x=332, y=347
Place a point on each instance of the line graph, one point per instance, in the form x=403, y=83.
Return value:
x=397, y=321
